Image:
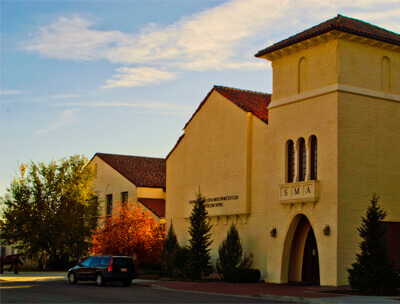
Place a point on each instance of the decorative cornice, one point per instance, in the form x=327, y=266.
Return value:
x=332, y=89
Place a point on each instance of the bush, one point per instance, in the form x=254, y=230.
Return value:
x=244, y=275
x=231, y=255
x=180, y=260
x=170, y=246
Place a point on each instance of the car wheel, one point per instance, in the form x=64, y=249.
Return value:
x=127, y=283
x=99, y=280
x=72, y=278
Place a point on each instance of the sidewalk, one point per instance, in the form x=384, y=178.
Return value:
x=278, y=292
x=29, y=276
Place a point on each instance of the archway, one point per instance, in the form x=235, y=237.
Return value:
x=303, y=259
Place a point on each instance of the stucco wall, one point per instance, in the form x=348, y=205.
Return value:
x=110, y=181
x=357, y=126
x=369, y=144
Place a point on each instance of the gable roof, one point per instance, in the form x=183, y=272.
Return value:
x=177, y=143
x=141, y=171
x=155, y=205
x=340, y=23
x=249, y=101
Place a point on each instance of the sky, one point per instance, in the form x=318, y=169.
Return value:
x=123, y=77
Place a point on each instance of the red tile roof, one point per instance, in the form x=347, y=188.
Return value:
x=249, y=101
x=340, y=23
x=155, y=205
x=141, y=171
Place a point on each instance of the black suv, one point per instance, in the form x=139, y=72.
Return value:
x=102, y=269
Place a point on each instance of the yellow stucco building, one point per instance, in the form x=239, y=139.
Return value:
x=123, y=178
x=295, y=170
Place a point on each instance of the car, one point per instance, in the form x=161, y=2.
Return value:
x=103, y=269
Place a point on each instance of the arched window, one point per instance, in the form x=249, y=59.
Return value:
x=302, y=75
x=302, y=160
x=386, y=75
x=314, y=159
x=290, y=161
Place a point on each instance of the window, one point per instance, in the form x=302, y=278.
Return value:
x=290, y=161
x=95, y=262
x=314, y=159
x=109, y=204
x=302, y=160
x=124, y=197
x=86, y=263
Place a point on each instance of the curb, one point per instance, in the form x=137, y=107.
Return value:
x=267, y=297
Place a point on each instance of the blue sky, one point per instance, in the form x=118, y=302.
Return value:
x=80, y=77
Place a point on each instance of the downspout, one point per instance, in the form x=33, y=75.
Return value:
x=248, y=161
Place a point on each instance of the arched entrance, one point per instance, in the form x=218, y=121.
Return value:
x=303, y=260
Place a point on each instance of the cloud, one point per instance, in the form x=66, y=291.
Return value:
x=152, y=107
x=65, y=118
x=137, y=77
x=219, y=38
x=9, y=92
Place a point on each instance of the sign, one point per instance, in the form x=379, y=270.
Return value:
x=217, y=201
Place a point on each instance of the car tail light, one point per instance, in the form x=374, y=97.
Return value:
x=111, y=264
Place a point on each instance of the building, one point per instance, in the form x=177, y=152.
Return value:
x=122, y=177
x=295, y=170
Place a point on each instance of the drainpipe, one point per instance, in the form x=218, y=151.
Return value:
x=248, y=160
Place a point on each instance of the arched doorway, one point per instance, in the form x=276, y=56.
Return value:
x=303, y=261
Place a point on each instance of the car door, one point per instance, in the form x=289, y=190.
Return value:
x=83, y=269
x=94, y=264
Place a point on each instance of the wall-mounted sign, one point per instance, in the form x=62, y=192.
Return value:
x=217, y=201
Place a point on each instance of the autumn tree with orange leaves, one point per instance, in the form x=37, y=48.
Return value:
x=129, y=231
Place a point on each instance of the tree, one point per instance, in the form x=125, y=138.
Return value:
x=231, y=255
x=129, y=231
x=373, y=269
x=50, y=210
x=199, y=252
x=170, y=247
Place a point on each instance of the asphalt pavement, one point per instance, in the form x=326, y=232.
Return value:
x=260, y=291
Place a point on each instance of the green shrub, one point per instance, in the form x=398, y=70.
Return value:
x=244, y=275
x=231, y=255
x=170, y=246
x=180, y=260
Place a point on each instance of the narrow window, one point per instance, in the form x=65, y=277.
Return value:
x=302, y=160
x=124, y=198
x=385, y=75
x=109, y=204
x=314, y=159
x=290, y=161
x=302, y=75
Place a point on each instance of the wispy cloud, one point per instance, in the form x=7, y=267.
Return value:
x=10, y=92
x=67, y=117
x=216, y=39
x=152, y=107
x=137, y=77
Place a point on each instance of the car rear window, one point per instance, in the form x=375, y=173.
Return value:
x=123, y=261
